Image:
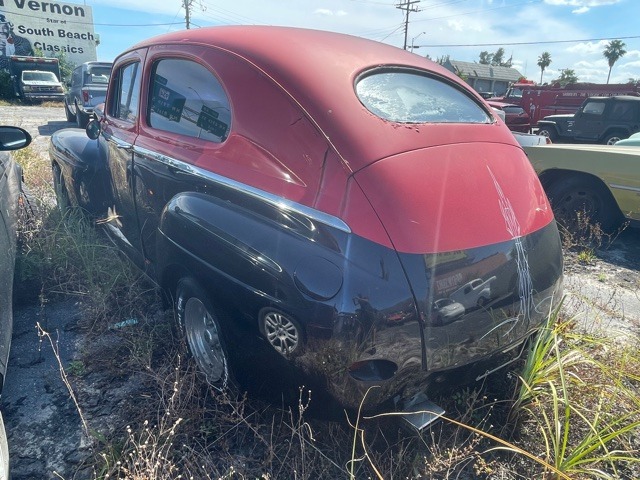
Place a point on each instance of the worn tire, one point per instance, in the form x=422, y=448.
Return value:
x=4, y=451
x=613, y=138
x=572, y=195
x=60, y=189
x=69, y=114
x=204, y=335
x=548, y=132
x=82, y=119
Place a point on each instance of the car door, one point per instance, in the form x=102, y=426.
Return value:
x=119, y=130
x=589, y=122
x=188, y=115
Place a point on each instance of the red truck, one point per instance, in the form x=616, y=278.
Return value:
x=540, y=101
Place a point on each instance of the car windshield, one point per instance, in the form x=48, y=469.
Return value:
x=39, y=76
x=413, y=97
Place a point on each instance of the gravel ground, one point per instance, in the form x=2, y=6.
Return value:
x=44, y=427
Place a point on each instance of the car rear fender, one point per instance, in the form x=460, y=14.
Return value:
x=83, y=163
x=341, y=288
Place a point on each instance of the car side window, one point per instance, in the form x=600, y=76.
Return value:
x=124, y=103
x=594, y=108
x=187, y=99
x=622, y=111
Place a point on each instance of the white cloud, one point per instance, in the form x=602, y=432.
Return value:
x=582, y=3
x=580, y=10
x=330, y=13
x=455, y=25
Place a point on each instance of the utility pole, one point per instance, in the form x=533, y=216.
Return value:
x=187, y=7
x=408, y=7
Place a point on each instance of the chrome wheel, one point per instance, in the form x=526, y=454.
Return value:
x=204, y=341
x=282, y=333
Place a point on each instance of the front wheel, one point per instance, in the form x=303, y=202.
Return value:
x=203, y=332
x=60, y=189
x=578, y=202
x=548, y=132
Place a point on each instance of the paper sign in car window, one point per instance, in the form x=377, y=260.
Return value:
x=165, y=101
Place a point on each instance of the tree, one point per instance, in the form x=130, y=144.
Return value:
x=544, y=60
x=567, y=77
x=497, y=59
x=613, y=52
x=486, y=57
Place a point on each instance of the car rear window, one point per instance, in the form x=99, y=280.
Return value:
x=409, y=96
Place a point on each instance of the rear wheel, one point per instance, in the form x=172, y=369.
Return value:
x=613, y=138
x=203, y=333
x=70, y=116
x=581, y=201
x=82, y=119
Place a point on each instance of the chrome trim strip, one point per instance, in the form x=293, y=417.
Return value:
x=624, y=187
x=256, y=193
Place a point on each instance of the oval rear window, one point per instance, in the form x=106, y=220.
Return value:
x=411, y=97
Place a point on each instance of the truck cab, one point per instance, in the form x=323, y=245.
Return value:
x=599, y=120
x=36, y=78
x=87, y=89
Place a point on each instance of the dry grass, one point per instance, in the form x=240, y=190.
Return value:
x=574, y=409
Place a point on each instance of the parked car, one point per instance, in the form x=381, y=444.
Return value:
x=530, y=139
x=86, y=90
x=515, y=116
x=309, y=189
x=445, y=311
x=39, y=85
x=11, y=138
x=598, y=181
x=605, y=120
x=632, y=141
x=476, y=293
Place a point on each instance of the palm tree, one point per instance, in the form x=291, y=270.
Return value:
x=544, y=61
x=613, y=52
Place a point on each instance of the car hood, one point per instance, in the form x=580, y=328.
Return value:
x=564, y=116
x=454, y=197
x=40, y=83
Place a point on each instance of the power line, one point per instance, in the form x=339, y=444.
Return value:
x=530, y=43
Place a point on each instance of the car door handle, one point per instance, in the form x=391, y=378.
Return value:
x=123, y=146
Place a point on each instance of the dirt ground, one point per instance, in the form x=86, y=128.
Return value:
x=44, y=425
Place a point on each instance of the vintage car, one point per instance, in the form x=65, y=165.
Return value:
x=601, y=182
x=317, y=192
x=514, y=116
x=11, y=138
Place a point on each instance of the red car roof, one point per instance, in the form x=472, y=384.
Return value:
x=319, y=69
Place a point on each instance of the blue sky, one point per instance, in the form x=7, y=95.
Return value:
x=581, y=28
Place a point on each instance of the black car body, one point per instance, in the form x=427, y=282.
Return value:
x=11, y=138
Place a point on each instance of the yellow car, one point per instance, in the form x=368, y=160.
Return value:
x=601, y=181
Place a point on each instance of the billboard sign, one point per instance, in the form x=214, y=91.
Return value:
x=52, y=27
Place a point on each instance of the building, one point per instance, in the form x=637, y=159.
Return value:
x=484, y=78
